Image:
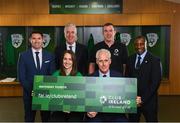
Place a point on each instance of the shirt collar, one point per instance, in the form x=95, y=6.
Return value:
x=142, y=55
x=34, y=50
x=107, y=74
x=74, y=44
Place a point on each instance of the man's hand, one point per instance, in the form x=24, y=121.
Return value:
x=91, y=114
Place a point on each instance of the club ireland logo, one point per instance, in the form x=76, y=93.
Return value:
x=152, y=39
x=125, y=38
x=16, y=40
x=116, y=52
x=103, y=99
x=46, y=40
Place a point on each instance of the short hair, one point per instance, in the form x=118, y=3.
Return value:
x=36, y=32
x=140, y=38
x=70, y=25
x=108, y=24
x=104, y=51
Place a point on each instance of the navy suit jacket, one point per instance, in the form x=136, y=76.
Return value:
x=81, y=57
x=148, y=76
x=112, y=74
x=110, y=117
x=27, y=69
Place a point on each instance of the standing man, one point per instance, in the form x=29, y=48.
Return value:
x=119, y=53
x=103, y=60
x=147, y=69
x=70, y=32
x=34, y=61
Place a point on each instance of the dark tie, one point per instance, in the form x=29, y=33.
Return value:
x=104, y=75
x=37, y=60
x=70, y=47
x=138, y=64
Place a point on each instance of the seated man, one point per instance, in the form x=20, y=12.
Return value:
x=103, y=60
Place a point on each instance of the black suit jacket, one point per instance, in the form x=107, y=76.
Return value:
x=81, y=57
x=148, y=76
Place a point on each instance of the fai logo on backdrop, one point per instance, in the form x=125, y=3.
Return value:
x=46, y=40
x=103, y=99
x=152, y=39
x=17, y=40
x=125, y=38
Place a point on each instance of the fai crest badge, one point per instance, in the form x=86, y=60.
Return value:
x=125, y=38
x=152, y=39
x=16, y=40
x=103, y=99
x=46, y=40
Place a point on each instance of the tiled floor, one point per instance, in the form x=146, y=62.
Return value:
x=11, y=109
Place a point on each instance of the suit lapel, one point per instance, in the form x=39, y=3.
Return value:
x=145, y=60
x=32, y=59
x=78, y=51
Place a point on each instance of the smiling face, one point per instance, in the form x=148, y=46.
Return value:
x=140, y=45
x=70, y=34
x=67, y=61
x=109, y=33
x=36, y=41
x=103, y=62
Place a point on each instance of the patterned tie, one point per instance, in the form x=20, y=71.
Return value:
x=138, y=64
x=37, y=61
x=70, y=47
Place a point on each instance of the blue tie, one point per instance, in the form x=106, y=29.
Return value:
x=37, y=61
x=138, y=64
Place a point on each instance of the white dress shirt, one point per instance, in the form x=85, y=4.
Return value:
x=40, y=56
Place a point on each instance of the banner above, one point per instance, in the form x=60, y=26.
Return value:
x=83, y=94
x=85, y=6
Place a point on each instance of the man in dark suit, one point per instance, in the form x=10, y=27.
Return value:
x=103, y=60
x=34, y=61
x=70, y=32
x=147, y=69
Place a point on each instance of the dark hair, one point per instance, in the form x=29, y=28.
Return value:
x=108, y=24
x=74, y=65
x=36, y=32
x=140, y=38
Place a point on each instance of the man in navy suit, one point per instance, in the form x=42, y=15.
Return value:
x=147, y=69
x=34, y=61
x=103, y=60
x=70, y=32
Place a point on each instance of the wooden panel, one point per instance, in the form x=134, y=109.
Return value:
x=9, y=89
x=175, y=55
x=11, y=20
x=150, y=19
x=164, y=87
x=131, y=6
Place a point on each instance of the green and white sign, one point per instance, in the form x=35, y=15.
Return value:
x=85, y=6
x=82, y=94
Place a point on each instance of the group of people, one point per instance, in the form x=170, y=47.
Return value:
x=108, y=59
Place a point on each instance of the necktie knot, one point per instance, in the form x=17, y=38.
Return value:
x=104, y=75
x=37, y=53
x=70, y=47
